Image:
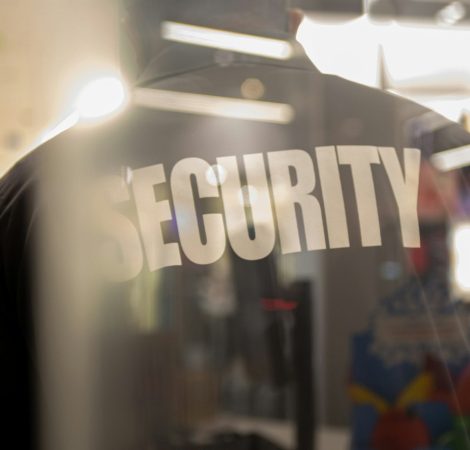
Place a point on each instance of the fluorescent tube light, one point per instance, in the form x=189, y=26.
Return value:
x=460, y=259
x=452, y=159
x=226, y=40
x=210, y=105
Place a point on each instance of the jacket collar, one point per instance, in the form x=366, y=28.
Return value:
x=176, y=59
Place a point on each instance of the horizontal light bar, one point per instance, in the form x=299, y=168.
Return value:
x=452, y=159
x=227, y=40
x=210, y=105
x=460, y=259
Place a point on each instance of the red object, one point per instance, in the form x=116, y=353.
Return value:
x=444, y=382
x=397, y=430
x=463, y=391
x=278, y=304
x=438, y=194
x=420, y=259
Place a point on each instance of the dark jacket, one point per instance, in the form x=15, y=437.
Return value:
x=318, y=111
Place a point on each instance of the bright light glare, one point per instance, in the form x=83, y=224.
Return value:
x=211, y=105
x=349, y=49
x=68, y=122
x=450, y=107
x=461, y=259
x=101, y=97
x=216, y=175
x=63, y=125
x=226, y=40
x=423, y=63
x=426, y=56
x=452, y=13
x=452, y=159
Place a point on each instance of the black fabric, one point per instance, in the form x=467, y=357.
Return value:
x=18, y=375
x=324, y=105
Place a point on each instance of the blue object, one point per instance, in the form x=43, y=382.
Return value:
x=364, y=419
x=437, y=417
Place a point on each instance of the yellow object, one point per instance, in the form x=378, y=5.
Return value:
x=419, y=390
x=362, y=395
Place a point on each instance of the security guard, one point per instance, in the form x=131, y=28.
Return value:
x=165, y=271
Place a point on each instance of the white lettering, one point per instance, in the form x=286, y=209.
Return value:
x=360, y=159
x=151, y=215
x=287, y=195
x=186, y=216
x=260, y=205
x=247, y=218
x=120, y=228
x=405, y=190
x=333, y=200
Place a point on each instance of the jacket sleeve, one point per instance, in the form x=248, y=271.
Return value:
x=17, y=383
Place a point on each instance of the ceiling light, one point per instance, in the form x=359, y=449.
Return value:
x=227, y=40
x=210, y=105
x=460, y=260
x=101, y=97
x=452, y=159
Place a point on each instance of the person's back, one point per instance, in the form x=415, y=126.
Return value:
x=184, y=244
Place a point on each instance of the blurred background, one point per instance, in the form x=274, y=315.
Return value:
x=50, y=49
x=53, y=51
